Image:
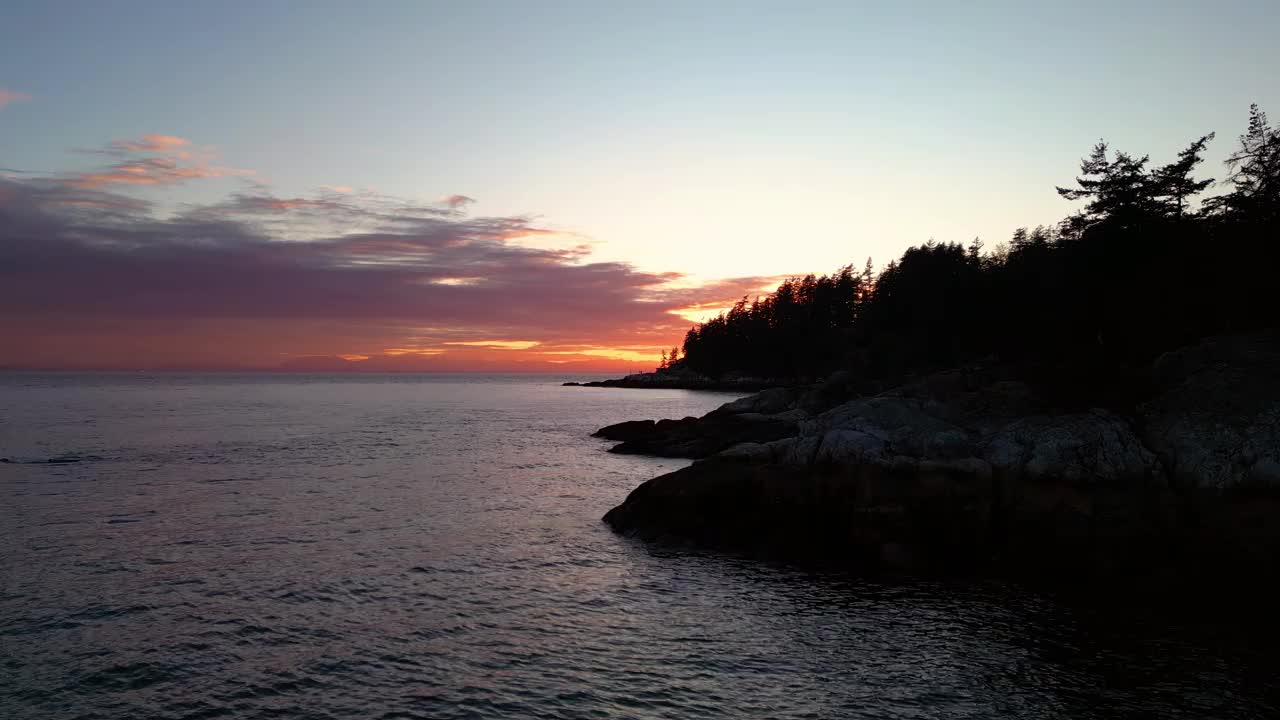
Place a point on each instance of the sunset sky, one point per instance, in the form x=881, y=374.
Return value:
x=543, y=185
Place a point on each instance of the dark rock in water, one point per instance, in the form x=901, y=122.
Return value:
x=696, y=437
x=681, y=379
x=773, y=400
x=952, y=518
x=873, y=517
x=629, y=430
x=970, y=468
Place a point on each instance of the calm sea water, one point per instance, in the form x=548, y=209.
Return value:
x=431, y=547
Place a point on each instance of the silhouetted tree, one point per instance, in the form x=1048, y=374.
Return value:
x=1134, y=273
x=1118, y=190
x=1254, y=173
x=1173, y=182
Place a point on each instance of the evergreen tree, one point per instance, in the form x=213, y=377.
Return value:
x=1136, y=272
x=1254, y=173
x=1173, y=182
x=1118, y=190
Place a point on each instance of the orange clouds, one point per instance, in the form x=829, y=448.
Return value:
x=153, y=171
x=154, y=144
x=91, y=277
x=497, y=344
x=152, y=160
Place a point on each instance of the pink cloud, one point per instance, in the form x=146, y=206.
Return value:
x=153, y=144
x=9, y=96
x=150, y=161
x=256, y=279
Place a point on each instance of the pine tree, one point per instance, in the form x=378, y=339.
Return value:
x=975, y=250
x=1254, y=172
x=1021, y=238
x=1117, y=190
x=1174, y=184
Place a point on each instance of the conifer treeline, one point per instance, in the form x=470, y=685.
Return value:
x=1140, y=269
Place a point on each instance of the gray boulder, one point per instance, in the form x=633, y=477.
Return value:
x=977, y=431
x=1215, y=418
x=765, y=402
x=1092, y=447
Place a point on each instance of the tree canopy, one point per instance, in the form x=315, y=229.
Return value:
x=1142, y=267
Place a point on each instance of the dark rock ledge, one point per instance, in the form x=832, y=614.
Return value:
x=681, y=379
x=969, y=470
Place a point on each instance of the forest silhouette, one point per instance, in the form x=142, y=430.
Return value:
x=1143, y=267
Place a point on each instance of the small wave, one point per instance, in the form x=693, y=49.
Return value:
x=125, y=518
x=55, y=460
x=86, y=616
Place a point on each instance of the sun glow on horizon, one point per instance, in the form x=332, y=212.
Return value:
x=394, y=352
x=497, y=344
x=458, y=281
x=626, y=354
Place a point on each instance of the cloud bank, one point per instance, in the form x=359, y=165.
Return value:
x=92, y=274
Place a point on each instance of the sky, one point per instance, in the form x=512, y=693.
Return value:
x=543, y=186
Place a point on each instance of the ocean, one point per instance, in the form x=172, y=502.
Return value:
x=430, y=546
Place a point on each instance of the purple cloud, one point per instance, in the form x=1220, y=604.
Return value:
x=91, y=276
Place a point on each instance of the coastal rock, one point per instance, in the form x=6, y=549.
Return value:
x=849, y=446
x=680, y=378
x=971, y=468
x=1096, y=446
x=629, y=430
x=773, y=400
x=1215, y=418
x=696, y=437
x=869, y=517
x=905, y=423
x=1093, y=447
x=748, y=451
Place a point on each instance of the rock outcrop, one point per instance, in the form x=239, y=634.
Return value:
x=680, y=379
x=696, y=437
x=970, y=468
x=1215, y=418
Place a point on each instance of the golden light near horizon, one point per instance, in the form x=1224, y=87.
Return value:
x=496, y=344
x=702, y=312
x=425, y=351
x=627, y=354
x=457, y=281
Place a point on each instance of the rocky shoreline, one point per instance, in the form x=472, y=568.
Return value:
x=973, y=470
x=681, y=379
